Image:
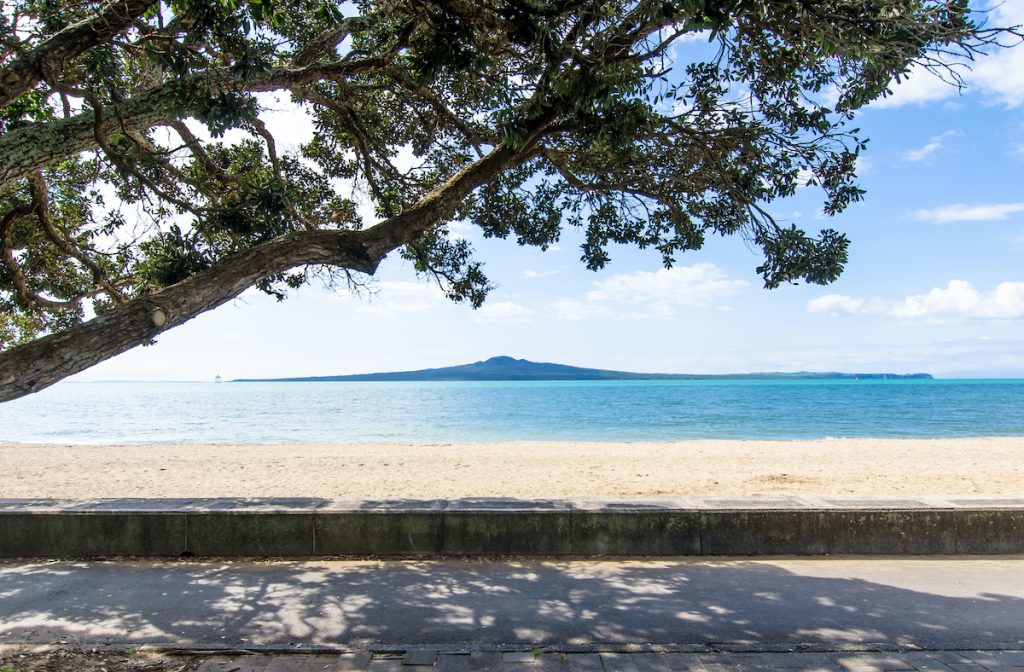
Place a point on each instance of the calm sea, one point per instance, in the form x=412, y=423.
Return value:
x=490, y=411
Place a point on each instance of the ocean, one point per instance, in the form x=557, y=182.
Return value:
x=443, y=412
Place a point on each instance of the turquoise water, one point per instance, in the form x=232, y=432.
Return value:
x=490, y=411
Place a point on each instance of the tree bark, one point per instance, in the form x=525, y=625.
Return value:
x=40, y=363
x=46, y=60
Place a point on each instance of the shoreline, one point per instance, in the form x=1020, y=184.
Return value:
x=827, y=440
x=518, y=469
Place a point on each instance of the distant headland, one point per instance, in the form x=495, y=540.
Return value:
x=509, y=368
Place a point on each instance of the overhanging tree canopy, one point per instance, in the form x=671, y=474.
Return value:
x=120, y=194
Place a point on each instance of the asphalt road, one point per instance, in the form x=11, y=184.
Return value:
x=935, y=603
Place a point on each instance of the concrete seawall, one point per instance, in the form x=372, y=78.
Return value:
x=311, y=527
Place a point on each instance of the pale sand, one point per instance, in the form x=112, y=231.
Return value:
x=519, y=469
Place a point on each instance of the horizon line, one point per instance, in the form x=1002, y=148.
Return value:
x=299, y=379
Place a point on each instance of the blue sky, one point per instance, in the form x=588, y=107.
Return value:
x=934, y=283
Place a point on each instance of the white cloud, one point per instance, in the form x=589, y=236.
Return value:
x=459, y=231
x=960, y=212
x=998, y=76
x=647, y=294
x=574, y=309
x=405, y=160
x=835, y=304
x=1001, y=75
x=922, y=153
x=531, y=273
x=289, y=123
x=395, y=297
x=805, y=176
x=502, y=311
x=398, y=297
x=935, y=144
x=699, y=286
x=958, y=300
x=917, y=87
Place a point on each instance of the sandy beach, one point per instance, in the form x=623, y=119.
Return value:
x=518, y=469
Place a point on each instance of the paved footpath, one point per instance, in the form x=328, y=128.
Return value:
x=961, y=613
x=527, y=661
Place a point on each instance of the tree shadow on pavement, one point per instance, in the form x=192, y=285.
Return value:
x=491, y=602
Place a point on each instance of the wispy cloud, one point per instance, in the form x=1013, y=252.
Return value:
x=958, y=300
x=698, y=286
x=531, y=273
x=835, y=304
x=934, y=145
x=805, y=176
x=960, y=212
x=399, y=297
x=969, y=356
x=459, y=231
x=392, y=298
x=575, y=309
x=645, y=294
x=502, y=311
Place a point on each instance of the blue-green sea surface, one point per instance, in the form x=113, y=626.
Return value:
x=440, y=412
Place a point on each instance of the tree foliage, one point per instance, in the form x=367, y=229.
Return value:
x=139, y=181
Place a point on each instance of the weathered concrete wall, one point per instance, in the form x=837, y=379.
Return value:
x=322, y=527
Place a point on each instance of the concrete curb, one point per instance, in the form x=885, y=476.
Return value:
x=310, y=527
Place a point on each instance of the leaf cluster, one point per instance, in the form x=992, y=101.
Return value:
x=150, y=159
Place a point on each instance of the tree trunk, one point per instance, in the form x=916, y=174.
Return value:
x=40, y=363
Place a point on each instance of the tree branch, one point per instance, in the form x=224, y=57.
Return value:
x=328, y=41
x=46, y=61
x=38, y=364
x=25, y=150
x=475, y=137
x=42, y=362
x=21, y=284
x=196, y=148
x=41, y=198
